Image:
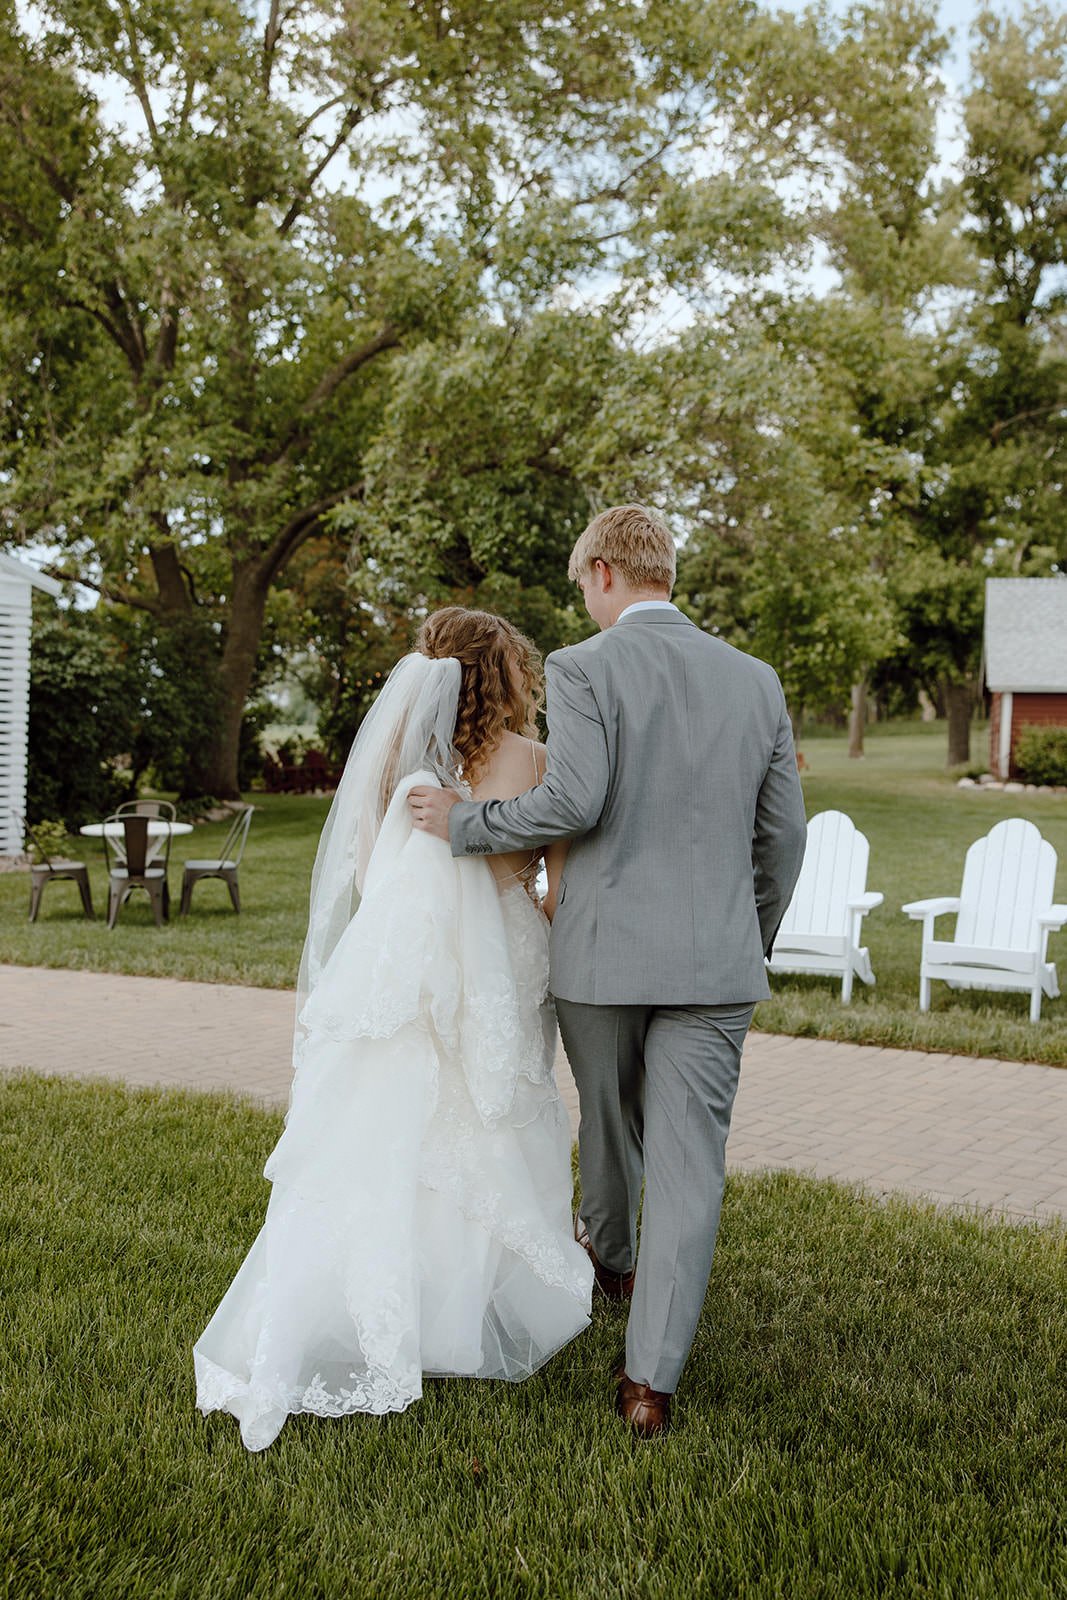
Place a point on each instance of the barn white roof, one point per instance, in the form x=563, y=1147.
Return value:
x=1026, y=635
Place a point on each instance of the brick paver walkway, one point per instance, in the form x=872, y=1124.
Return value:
x=961, y=1130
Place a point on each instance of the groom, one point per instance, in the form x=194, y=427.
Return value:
x=671, y=767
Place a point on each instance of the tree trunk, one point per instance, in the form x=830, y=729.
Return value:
x=170, y=582
x=958, y=703
x=857, y=719
x=216, y=774
x=927, y=708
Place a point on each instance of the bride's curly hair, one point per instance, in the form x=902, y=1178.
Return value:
x=493, y=698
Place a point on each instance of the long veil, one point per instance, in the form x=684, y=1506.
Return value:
x=408, y=729
x=419, y=1218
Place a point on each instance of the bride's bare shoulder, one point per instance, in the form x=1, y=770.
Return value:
x=522, y=751
x=513, y=764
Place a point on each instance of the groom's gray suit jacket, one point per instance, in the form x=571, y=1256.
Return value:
x=671, y=766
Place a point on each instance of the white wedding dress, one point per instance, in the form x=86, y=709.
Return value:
x=419, y=1220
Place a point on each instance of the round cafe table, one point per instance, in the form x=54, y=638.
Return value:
x=158, y=828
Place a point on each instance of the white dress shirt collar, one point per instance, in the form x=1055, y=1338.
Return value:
x=647, y=605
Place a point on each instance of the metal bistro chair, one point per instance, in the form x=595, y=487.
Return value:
x=147, y=808
x=156, y=810
x=130, y=870
x=51, y=868
x=225, y=867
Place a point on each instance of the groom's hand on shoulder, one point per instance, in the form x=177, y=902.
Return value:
x=430, y=808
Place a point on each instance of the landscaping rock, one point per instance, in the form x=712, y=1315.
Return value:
x=966, y=783
x=1013, y=788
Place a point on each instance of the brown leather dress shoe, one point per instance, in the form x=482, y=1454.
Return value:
x=615, y=1285
x=647, y=1411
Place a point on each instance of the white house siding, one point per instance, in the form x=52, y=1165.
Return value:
x=14, y=707
x=17, y=583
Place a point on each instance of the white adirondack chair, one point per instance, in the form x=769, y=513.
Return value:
x=1004, y=915
x=820, y=931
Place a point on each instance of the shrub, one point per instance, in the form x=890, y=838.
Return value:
x=1041, y=755
x=80, y=726
x=193, y=808
x=49, y=841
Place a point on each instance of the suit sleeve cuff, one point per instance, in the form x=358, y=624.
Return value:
x=460, y=818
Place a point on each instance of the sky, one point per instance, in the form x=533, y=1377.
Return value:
x=956, y=18
x=957, y=15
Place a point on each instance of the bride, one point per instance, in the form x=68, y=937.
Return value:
x=419, y=1220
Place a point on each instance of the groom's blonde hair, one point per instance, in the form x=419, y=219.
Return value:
x=635, y=543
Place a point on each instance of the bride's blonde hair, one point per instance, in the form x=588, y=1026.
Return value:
x=493, y=698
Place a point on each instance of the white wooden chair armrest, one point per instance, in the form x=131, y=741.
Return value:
x=927, y=910
x=867, y=901
x=1054, y=917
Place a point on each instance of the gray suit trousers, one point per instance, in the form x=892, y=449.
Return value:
x=656, y=1088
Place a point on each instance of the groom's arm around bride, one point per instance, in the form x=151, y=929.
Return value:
x=671, y=768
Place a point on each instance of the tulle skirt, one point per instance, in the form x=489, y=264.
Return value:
x=407, y=1233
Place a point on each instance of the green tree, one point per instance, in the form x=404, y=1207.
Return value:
x=807, y=503
x=996, y=448
x=338, y=636
x=205, y=304
x=913, y=441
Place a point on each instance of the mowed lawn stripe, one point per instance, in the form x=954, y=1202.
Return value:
x=874, y=1404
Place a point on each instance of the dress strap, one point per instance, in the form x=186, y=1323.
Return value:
x=537, y=770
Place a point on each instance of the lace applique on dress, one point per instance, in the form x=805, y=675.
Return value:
x=420, y=1213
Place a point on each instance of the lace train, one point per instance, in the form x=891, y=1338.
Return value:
x=419, y=1219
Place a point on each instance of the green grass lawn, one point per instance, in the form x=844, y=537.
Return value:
x=874, y=1405
x=261, y=946
x=919, y=825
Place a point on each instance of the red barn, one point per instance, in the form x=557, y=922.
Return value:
x=1025, y=661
